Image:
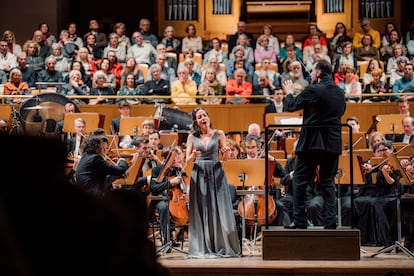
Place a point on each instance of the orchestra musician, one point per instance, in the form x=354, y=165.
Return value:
x=69, y=108
x=375, y=204
x=94, y=171
x=408, y=127
x=172, y=177
x=252, y=147
x=407, y=204
x=124, y=109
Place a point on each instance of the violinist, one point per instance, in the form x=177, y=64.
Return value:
x=375, y=203
x=173, y=177
x=93, y=174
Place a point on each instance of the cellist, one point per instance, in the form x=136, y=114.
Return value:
x=252, y=147
x=165, y=177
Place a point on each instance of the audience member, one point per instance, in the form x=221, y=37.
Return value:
x=73, y=35
x=156, y=86
x=209, y=87
x=75, y=87
x=172, y=44
x=101, y=38
x=14, y=48
x=95, y=53
x=338, y=40
x=267, y=30
x=192, y=40
x=367, y=51
x=129, y=90
x=113, y=46
x=123, y=40
x=243, y=42
x=290, y=40
x=101, y=89
x=404, y=84
x=351, y=86
x=28, y=74
x=216, y=51
x=241, y=29
x=43, y=41
x=144, y=29
x=15, y=86
x=7, y=59
x=142, y=52
x=238, y=87
x=183, y=90
x=264, y=51
x=366, y=29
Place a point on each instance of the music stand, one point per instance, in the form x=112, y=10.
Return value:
x=246, y=172
x=406, y=180
x=167, y=164
x=390, y=123
x=358, y=140
x=132, y=125
x=343, y=177
x=93, y=120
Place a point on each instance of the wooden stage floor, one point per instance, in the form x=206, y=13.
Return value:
x=252, y=264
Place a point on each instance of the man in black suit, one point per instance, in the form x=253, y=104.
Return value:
x=241, y=29
x=323, y=105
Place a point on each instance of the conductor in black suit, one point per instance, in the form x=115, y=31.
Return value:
x=323, y=105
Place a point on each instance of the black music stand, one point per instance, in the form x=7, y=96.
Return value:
x=246, y=172
x=168, y=247
x=343, y=177
x=407, y=180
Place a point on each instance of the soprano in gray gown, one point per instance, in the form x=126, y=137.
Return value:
x=212, y=225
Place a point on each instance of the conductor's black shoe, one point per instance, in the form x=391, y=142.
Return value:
x=293, y=225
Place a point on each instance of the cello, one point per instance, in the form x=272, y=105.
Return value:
x=179, y=200
x=254, y=203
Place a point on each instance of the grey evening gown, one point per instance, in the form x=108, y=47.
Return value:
x=212, y=225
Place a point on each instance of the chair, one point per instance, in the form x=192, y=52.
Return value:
x=144, y=68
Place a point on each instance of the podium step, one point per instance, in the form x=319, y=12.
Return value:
x=310, y=244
